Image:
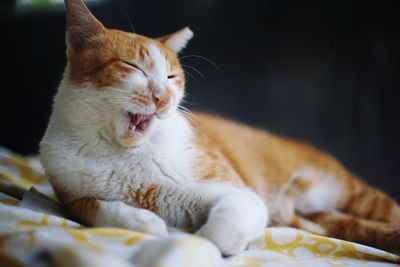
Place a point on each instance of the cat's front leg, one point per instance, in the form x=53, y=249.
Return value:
x=95, y=212
x=235, y=218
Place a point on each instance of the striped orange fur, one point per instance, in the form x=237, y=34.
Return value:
x=260, y=158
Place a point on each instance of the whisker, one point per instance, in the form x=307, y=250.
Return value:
x=196, y=70
x=184, y=109
x=187, y=116
x=119, y=99
x=122, y=92
x=187, y=113
x=189, y=74
x=126, y=16
x=204, y=58
x=119, y=96
x=116, y=88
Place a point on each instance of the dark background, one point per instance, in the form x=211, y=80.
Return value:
x=326, y=72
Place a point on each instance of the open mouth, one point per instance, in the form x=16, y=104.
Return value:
x=138, y=122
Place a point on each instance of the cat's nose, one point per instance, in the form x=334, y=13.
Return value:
x=161, y=94
x=162, y=100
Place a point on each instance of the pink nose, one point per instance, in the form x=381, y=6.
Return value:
x=163, y=100
x=161, y=94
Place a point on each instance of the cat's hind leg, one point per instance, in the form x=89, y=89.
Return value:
x=341, y=207
x=309, y=190
x=92, y=211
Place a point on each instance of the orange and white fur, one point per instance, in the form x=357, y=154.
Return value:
x=118, y=153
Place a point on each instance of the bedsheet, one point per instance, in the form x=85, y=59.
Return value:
x=29, y=237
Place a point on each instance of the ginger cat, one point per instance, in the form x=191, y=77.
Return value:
x=118, y=153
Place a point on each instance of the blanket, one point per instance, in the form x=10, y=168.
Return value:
x=32, y=236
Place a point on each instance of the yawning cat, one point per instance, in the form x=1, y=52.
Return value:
x=119, y=153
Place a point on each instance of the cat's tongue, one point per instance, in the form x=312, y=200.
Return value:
x=139, y=121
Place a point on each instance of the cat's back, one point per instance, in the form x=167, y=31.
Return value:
x=258, y=155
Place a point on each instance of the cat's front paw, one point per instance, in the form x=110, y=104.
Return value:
x=229, y=237
x=118, y=214
x=147, y=222
x=236, y=219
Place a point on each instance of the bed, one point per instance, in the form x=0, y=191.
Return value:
x=32, y=236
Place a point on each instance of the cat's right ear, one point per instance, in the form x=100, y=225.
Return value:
x=82, y=26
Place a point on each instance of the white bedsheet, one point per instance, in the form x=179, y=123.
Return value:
x=30, y=238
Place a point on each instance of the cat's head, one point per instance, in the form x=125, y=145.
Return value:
x=127, y=81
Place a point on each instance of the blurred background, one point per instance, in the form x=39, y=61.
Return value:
x=325, y=72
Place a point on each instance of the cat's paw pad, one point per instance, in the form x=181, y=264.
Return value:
x=230, y=238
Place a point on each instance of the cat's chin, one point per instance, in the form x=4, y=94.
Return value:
x=133, y=128
x=129, y=142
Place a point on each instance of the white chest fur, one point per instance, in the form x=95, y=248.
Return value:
x=97, y=166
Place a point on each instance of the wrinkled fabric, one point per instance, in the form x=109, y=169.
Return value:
x=33, y=238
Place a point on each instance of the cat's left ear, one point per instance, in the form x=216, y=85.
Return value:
x=178, y=40
x=82, y=26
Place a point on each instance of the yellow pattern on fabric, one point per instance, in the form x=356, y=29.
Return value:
x=251, y=262
x=27, y=172
x=30, y=230
x=324, y=246
x=314, y=248
x=108, y=231
x=7, y=177
x=45, y=220
x=272, y=245
x=79, y=236
x=9, y=201
x=64, y=223
x=131, y=241
x=29, y=223
x=10, y=178
x=350, y=251
x=321, y=242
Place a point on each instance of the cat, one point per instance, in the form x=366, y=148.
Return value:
x=118, y=153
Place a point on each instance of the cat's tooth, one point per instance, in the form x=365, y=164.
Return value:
x=136, y=119
x=130, y=115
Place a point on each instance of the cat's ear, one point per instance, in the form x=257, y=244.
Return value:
x=81, y=24
x=178, y=40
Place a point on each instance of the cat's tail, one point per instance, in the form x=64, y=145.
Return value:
x=361, y=200
x=348, y=227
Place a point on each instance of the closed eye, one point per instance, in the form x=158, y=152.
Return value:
x=171, y=76
x=134, y=66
